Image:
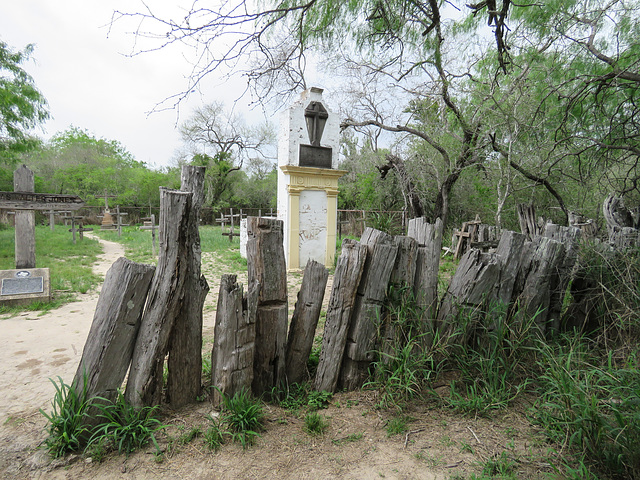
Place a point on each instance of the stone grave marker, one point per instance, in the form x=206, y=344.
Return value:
x=308, y=147
x=24, y=286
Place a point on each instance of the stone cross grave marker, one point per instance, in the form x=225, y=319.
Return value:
x=27, y=283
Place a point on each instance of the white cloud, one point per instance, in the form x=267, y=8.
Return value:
x=84, y=71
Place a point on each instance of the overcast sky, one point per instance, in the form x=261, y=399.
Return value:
x=90, y=82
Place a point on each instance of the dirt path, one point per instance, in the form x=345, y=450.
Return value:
x=356, y=444
x=34, y=348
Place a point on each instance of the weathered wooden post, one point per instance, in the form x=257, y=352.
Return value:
x=266, y=266
x=109, y=348
x=25, y=232
x=538, y=278
x=429, y=238
x=144, y=386
x=185, y=351
x=471, y=290
x=569, y=237
x=401, y=288
x=341, y=304
x=234, y=338
x=305, y=320
x=367, y=313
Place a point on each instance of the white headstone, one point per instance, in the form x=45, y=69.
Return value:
x=308, y=148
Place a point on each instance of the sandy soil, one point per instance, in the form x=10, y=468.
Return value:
x=34, y=347
x=438, y=445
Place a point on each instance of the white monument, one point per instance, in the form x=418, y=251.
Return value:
x=308, y=148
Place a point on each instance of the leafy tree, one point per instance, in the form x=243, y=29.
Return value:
x=258, y=185
x=76, y=162
x=548, y=90
x=222, y=142
x=22, y=106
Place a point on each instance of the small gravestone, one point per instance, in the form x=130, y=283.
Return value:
x=24, y=286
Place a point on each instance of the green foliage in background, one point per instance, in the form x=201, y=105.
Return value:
x=22, y=106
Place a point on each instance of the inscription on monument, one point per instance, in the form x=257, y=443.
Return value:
x=22, y=283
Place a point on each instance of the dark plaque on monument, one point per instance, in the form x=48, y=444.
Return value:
x=319, y=157
x=22, y=283
x=314, y=155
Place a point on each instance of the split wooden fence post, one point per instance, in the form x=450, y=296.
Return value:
x=185, y=350
x=234, y=338
x=305, y=320
x=367, y=314
x=429, y=238
x=116, y=321
x=341, y=304
x=266, y=266
x=145, y=383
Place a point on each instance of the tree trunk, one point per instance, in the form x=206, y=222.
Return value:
x=185, y=351
x=234, y=339
x=305, y=320
x=116, y=321
x=145, y=383
x=341, y=305
x=266, y=265
x=411, y=197
x=441, y=209
x=367, y=314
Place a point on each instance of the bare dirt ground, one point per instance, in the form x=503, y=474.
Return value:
x=438, y=444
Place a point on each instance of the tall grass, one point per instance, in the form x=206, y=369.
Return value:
x=590, y=404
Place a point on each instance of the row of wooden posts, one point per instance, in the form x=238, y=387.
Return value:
x=148, y=316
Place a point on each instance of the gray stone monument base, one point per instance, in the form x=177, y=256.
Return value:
x=24, y=286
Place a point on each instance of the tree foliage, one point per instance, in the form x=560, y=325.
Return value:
x=537, y=100
x=22, y=106
x=223, y=142
x=76, y=162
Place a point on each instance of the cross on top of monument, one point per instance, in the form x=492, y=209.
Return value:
x=315, y=116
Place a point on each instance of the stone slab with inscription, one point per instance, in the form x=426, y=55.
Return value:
x=24, y=286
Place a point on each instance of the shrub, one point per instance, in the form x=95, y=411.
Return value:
x=591, y=406
x=67, y=427
x=126, y=427
x=244, y=416
x=315, y=424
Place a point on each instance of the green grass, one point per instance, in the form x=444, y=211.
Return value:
x=125, y=427
x=66, y=422
x=315, y=424
x=69, y=265
x=138, y=244
x=397, y=425
x=244, y=417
